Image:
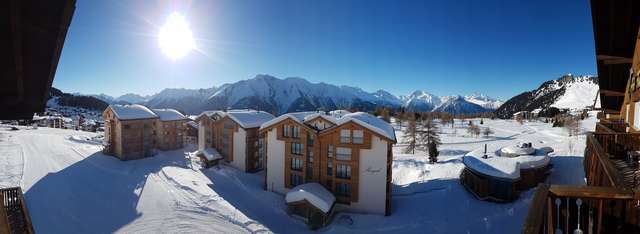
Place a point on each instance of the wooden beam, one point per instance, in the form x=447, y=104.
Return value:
x=608, y=59
x=592, y=192
x=611, y=93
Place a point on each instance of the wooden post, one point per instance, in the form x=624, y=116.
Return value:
x=4, y=222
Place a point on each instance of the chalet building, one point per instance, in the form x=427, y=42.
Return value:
x=349, y=154
x=169, y=129
x=234, y=135
x=129, y=131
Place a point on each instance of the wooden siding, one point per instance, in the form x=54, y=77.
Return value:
x=169, y=134
x=129, y=139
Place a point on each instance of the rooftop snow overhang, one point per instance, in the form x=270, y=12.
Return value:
x=32, y=35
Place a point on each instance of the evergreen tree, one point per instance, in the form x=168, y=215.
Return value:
x=429, y=137
x=410, y=135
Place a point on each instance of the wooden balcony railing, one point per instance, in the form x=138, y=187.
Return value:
x=14, y=217
x=598, y=167
x=611, y=125
x=571, y=209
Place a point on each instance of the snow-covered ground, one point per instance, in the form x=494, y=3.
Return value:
x=71, y=187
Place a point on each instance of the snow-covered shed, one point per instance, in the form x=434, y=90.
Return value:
x=312, y=203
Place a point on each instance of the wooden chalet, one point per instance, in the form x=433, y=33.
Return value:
x=129, y=131
x=609, y=203
x=170, y=129
x=32, y=35
x=234, y=135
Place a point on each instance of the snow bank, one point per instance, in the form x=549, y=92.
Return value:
x=314, y=193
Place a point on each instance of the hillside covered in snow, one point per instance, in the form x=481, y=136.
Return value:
x=566, y=92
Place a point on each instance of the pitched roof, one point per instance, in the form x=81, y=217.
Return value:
x=366, y=120
x=249, y=118
x=314, y=193
x=130, y=112
x=169, y=114
x=295, y=116
x=371, y=122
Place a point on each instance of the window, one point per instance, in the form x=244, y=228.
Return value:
x=329, y=168
x=330, y=151
x=343, y=153
x=296, y=180
x=126, y=126
x=296, y=148
x=358, y=136
x=309, y=170
x=285, y=130
x=343, y=190
x=296, y=131
x=343, y=171
x=345, y=136
x=296, y=164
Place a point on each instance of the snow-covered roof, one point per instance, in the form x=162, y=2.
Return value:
x=504, y=167
x=295, y=116
x=249, y=118
x=193, y=124
x=210, y=153
x=329, y=118
x=129, y=112
x=364, y=119
x=169, y=114
x=314, y=193
x=371, y=122
x=339, y=113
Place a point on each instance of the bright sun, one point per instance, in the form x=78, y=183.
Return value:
x=175, y=37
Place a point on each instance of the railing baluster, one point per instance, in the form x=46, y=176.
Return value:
x=590, y=228
x=558, y=202
x=578, y=230
x=566, y=226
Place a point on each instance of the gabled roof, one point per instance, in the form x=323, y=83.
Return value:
x=131, y=112
x=313, y=193
x=363, y=119
x=295, y=116
x=370, y=122
x=169, y=114
x=249, y=118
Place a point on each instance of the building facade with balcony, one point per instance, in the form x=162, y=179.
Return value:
x=350, y=155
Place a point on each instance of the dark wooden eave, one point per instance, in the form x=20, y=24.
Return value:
x=32, y=34
x=615, y=29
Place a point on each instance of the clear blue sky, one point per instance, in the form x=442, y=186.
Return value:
x=445, y=47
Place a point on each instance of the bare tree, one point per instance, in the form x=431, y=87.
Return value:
x=519, y=119
x=487, y=131
x=474, y=130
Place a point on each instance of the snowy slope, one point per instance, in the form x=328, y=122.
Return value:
x=578, y=94
x=566, y=92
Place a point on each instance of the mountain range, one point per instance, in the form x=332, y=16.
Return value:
x=279, y=96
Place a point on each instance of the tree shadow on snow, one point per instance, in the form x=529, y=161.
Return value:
x=98, y=194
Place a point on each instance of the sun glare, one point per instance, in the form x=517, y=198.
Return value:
x=175, y=37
